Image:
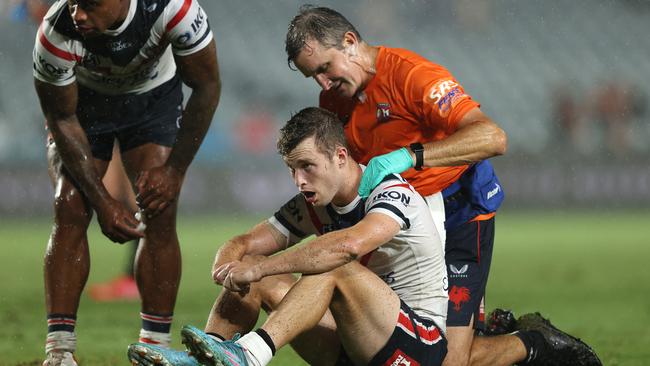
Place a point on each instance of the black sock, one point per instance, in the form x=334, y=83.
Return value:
x=267, y=339
x=216, y=335
x=533, y=342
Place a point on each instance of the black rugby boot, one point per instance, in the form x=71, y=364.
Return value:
x=561, y=349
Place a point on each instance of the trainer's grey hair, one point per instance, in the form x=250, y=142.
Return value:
x=325, y=25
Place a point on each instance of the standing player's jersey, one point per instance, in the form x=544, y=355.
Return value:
x=412, y=263
x=134, y=58
x=409, y=100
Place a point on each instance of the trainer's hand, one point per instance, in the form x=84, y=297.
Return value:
x=382, y=165
x=157, y=188
x=118, y=223
x=237, y=276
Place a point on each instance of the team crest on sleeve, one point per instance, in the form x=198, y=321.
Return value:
x=444, y=95
x=383, y=112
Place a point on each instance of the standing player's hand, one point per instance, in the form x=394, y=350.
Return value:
x=382, y=165
x=118, y=223
x=157, y=188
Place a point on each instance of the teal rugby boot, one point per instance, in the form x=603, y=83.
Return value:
x=143, y=354
x=210, y=352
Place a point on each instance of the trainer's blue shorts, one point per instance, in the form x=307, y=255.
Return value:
x=468, y=253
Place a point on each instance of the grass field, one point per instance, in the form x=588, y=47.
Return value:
x=588, y=272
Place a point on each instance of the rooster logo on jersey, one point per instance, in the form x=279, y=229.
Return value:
x=458, y=296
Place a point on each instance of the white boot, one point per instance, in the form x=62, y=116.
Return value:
x=60, y=358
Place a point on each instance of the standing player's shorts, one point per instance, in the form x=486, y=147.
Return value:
x=132, y=119
x=468, y=253
x=415, y=341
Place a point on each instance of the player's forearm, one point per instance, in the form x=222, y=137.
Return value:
x=233, y=250
x=74, y=149
x=322, y=254
x=196, y=120
x=475, y=142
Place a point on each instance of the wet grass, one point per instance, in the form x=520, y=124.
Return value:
x=587, y=271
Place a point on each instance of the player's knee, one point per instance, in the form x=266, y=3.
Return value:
x=162, y=226
x=70, y=209
x=273, y=289
x=346, y=271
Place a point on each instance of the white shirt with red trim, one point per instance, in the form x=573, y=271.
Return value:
x=134, y=58
x=412, y=263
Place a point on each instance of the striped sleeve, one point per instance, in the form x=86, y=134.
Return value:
x=187, y=27
x=292, y=220
x=392, y=198
x=54, y=58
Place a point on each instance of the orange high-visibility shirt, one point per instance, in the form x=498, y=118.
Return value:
x=410, y=99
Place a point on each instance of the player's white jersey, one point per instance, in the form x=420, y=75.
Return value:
x=412, y=263
x=134, y=58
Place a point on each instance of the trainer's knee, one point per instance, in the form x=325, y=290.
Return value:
x=454, y=358
x=459, y=346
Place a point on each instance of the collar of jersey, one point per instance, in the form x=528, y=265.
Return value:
x=342, y=210
x=129, y=17
x=347, y=208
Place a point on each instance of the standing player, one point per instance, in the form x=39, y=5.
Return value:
x=113, y=69
x=402, y=111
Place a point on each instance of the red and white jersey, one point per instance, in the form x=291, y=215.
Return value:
x=134, y=58
x=412, y=263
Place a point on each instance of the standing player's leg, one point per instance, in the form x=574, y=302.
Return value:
x=123, y=286
x=150, y=126
x=67, y=261
x=158, y=261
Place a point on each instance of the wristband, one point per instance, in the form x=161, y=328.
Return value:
x=418, y=150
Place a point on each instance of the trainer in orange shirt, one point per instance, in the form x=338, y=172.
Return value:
x=404, y=114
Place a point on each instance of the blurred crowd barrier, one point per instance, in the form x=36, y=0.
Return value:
x=529, y=183
x=567, y=80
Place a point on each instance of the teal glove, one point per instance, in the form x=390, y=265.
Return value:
x=380, y=166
